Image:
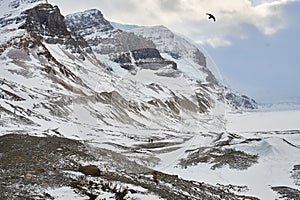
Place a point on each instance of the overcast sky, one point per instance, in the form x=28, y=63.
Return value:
x=254, y=43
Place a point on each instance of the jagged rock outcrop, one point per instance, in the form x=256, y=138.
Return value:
x=101, y=36
x=45, y=20
x=240, y=101
x=47, y=23
x=88, y=22
x=147, y=58
x=127, y=122
x=11, y=11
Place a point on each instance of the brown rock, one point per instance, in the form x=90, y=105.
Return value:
x=39, y=170
x=92, y=170
x=154, y=176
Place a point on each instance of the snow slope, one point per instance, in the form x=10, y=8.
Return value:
x=273, y=136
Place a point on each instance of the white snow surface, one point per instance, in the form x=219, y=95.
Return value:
x=264, y=121
x=278, y=150
x=65, y=193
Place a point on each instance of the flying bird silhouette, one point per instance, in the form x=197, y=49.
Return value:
x=210, y=16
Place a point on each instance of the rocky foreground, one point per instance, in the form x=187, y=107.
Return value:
x=30, y=166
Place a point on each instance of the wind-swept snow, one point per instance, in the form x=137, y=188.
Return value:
x=263, y=121
x=273, y=136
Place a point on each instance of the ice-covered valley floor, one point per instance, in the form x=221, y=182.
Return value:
x=272, y=135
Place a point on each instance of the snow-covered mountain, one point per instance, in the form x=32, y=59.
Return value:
x=287, y=104
x=116, y=41
x=138, y=100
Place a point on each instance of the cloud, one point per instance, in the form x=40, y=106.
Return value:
x=170, y=5
x=215, y=42
x=188, y=16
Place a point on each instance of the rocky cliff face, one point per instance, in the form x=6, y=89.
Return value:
x=31, y=40
x=147, y=58
x=126, y=48
x=47, y=23
x=45, y=20
x=240, y=101
x=11, y=11
x=88, y=22
x=101, y=36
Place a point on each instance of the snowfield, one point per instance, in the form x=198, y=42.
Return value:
x=282, y=120
x=278, y=145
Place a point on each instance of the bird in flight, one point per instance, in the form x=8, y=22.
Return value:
x=210, y=16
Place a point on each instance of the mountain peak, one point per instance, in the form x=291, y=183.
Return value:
x=90, y=19
x=11, y=11
x=93, y=11
x=9, y=6
x=45, y=19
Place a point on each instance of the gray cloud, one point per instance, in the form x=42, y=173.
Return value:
x=189, y=17
x=170, y=5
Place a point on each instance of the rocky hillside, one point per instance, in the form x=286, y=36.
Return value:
x=53, y=163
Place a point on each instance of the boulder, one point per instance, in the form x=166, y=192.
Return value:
x=92, y=170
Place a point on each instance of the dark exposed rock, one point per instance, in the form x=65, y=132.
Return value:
x=47, y=23
x=296, y=174
x=219, y=158
x=29, y=163
x=147, y=53
x=40, y=170
x=86, y=22
x=240, y=101
x=125, y=48
x=147, y=58
x=92, y=170
x=45, y=19
x=15, y=5
x=5, y=94
x=123, y=59
x=287, y=192
x=27, y=43
x=177, y=47
x=199, y=57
